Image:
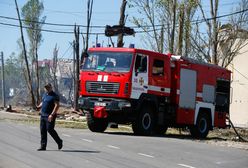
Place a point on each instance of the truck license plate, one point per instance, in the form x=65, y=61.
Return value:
x=100, y=104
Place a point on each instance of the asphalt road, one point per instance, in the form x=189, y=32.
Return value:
x=82, y=148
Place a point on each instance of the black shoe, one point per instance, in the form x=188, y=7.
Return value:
x=60, y=145
x=41, y=149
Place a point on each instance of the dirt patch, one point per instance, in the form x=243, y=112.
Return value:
x=67, y=117
x=220, y=137
x=64, y=113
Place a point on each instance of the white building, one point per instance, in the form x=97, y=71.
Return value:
x=64, y=71
x=231, y=41
x=239, y=91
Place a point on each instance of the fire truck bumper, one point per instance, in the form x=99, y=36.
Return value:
x=111, y=105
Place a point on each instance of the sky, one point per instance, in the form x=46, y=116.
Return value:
x=105, y=12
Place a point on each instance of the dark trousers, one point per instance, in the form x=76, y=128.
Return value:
x=46, y=126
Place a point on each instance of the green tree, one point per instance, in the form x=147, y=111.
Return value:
x=168, y=10
x=190, y=9
x=166, y=23
x=27, y=73
x=149, y=18
x=32, y=14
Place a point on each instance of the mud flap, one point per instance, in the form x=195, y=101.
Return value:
x=100, y=112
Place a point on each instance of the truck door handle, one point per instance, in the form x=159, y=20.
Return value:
x=146, y=87
x=162, y=89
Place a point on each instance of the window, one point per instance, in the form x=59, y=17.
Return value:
x=108, y=61
x=141, y=63
x=158, y=67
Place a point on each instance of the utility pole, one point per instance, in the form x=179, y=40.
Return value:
x=55, y=67
x=122, y=23
x=3, y=80
x=74, y=76
x=89, y=14
x=76, y=83
x=27, y=72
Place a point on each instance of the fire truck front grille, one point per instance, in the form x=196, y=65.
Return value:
x=102, y=87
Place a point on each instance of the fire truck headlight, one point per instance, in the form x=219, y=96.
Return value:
x=124, y=104
x=126, y=88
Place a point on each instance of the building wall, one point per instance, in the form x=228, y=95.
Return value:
x=64, y=68
x=239, y=97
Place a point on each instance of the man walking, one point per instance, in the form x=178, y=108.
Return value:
x=49, y=107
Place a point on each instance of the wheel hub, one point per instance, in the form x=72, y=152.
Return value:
x=146, y=121
x=202, y=125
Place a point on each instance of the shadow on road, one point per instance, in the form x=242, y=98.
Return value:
x=80, y=151
x=76, y=151
x=176, y=136
x=121, y=133
x=172, y=136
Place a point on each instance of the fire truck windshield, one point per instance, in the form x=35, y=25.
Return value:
x=108, y=61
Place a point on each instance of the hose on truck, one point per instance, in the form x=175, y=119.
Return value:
x=240, y=138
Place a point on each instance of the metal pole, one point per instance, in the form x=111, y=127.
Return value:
x=74, y=76
x=96, y=40
x=3, y=80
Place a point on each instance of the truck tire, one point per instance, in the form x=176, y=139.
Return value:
x=96, y=124
x=201, y=129
x=161, y=130
x=144, y=124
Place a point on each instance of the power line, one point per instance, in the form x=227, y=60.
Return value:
x=76, y=13
x=147, y=26
x=240, y=73
x=71, y=32
x=47, y=23
x=65, y=12
x=221, y=16
x=207, y=19
x=63, y=55
x=47, y=30
x=195, y=21
x=79, y=13
x=224, y=4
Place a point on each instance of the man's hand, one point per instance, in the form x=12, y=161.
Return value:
x=38, y=108
x=50, y=118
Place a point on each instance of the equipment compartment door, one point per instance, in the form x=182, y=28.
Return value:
x=187, y=89
x=140, y=76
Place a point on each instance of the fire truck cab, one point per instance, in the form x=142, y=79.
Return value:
x=152, y=91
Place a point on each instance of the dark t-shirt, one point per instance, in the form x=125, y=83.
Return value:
x=48, y=103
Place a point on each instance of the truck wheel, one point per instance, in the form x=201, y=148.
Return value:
x=144, y=123
x=96, y=124
x=161, y=130
x=201, y=129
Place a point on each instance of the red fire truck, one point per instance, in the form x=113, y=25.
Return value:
x=152, y=91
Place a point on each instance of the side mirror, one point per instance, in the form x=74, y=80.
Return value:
x=136, y=72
